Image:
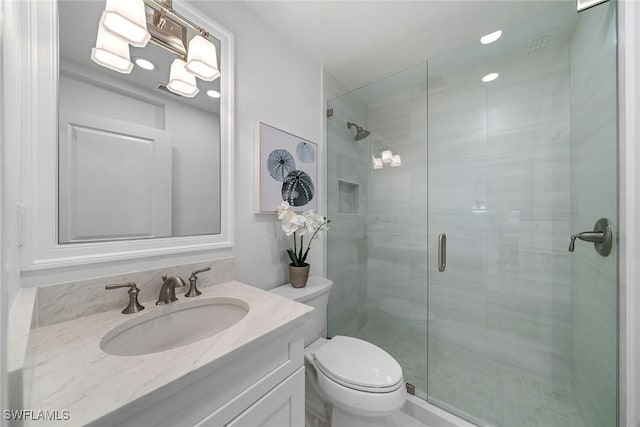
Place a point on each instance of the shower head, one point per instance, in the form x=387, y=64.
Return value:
x=361, y=133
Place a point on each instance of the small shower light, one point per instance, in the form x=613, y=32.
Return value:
x=396, y=160
x=377, y=163
x=490, y=77
x=213, y=93
x=386, y=156
x=490, y=38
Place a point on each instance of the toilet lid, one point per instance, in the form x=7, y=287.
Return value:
x=359, y=364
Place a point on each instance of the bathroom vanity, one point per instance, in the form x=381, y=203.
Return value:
x=249, y=374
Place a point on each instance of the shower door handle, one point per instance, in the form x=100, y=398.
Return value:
x=442, y=252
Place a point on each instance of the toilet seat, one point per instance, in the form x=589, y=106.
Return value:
x=358, y=365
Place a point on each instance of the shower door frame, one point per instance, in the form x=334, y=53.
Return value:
x=629, y=212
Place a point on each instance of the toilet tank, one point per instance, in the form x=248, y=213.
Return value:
x=316, y=295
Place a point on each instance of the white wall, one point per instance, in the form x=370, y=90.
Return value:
x=277, y=85
x=3, y=287
x=11, y=153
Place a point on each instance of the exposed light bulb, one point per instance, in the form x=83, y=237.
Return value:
x=111, y=52
x=127, y=19
x=181, y=81
x=490, y=38
x=202, y=59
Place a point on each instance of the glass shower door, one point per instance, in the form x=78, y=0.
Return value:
x=377, y=243
x=522, y=331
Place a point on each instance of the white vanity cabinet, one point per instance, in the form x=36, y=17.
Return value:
x=278, y=408
x=260, y=384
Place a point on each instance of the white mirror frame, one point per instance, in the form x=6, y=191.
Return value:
x=38, y=211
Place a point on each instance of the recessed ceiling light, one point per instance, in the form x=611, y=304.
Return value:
x=490, y=77
x=490, y=38
x=145, y=64
x=213, y=93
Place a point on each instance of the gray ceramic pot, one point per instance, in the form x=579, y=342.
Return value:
x=298, y=276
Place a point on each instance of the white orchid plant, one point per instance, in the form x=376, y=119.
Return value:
x=300, y=225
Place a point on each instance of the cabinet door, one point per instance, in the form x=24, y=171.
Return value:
x=281, y=407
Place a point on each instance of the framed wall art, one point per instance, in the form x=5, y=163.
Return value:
x=288, y=170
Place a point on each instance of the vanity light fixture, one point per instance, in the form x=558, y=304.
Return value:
x=202, y=58
x=111, y=52
x=377, y=163
x=181, y=81
x=145, y=64
x=212, y=93
x=127, y=19
x=490, y=38
x=396, y=160
x=386, y=156
x=137, y=22
x=490, y=77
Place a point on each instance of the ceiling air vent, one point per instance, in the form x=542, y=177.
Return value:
x=163, y=87
x=539, y=44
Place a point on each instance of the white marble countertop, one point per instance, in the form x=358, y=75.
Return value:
x=70, y=372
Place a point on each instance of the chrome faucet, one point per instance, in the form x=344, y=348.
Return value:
x=168, y=289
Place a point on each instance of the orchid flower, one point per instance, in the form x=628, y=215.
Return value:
x=299, y=225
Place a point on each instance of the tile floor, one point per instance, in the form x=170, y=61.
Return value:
x=472, y=386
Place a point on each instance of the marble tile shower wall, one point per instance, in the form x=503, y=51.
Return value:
x=594, y=155
x=397, y=217
x=347, y=161
x=499, y=187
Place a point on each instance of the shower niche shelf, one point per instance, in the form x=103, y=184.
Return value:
x=348, y=198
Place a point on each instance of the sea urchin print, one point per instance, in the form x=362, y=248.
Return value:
x=305, y=152
x=280, y=163
x=297, y=188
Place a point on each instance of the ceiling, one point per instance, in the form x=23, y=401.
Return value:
x=360, y=42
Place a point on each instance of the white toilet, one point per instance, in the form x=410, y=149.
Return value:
x=362, y=382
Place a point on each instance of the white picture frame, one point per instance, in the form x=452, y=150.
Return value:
x=287, y=168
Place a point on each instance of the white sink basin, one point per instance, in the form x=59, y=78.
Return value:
x=174, y=326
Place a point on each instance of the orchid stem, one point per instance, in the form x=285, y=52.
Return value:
x=295, y=250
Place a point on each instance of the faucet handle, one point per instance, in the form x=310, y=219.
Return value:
x=193, y=279
x=134, y=306
x=601, y=237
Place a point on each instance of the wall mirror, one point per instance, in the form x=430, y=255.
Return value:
x=135, y=160
x=140, y=159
